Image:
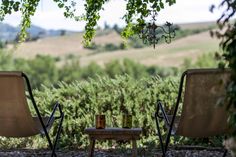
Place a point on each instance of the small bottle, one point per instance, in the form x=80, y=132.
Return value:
x=100, y=121
x=127, y=121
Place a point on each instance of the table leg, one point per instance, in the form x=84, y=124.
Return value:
x=134, y=148
x=91, y=148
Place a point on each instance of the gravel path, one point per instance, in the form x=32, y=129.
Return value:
x=111, y=153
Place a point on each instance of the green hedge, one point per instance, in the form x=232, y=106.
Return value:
x=82, y=100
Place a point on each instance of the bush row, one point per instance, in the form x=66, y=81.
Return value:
x=81, y=101
x=118, y=88
x=44, y=69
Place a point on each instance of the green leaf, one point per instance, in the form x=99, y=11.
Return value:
x=60, y=5
x=162, y=5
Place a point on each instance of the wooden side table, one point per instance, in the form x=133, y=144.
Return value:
x=132, y=134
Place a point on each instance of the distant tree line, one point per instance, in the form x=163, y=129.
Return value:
x=135, y=41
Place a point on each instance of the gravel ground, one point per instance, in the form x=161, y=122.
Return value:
x=112, y=153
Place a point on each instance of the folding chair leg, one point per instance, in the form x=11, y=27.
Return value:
x=168, y=140
x=49, y=142
x=56, y=106
x=57, y=136
x=163, y=148
x=160, y=137
x=225, y=153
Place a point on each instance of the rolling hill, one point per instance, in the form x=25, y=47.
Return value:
x=164, y=55
x=63, y=46
x=172, y=54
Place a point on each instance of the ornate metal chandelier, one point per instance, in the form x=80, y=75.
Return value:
x=152, y=33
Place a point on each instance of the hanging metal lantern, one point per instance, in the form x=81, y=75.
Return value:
x=152, y=33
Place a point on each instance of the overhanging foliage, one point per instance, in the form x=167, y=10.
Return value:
x=136, y=12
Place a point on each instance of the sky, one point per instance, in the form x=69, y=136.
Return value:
x=49, y=16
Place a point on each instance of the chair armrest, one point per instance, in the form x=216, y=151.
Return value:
x=56, y=107
x=161, y=113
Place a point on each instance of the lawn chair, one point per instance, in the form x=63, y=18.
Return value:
x=200, y=116
x=15, y=117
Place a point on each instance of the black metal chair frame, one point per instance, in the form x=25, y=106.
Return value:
x=161, y=114
x=57, y=106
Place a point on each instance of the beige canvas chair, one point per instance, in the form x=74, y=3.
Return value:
x=15, y=117
x=201, y=116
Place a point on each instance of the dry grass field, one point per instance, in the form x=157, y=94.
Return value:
x=53, y=46
x=172, y=54
x=196, y=25
x=63, y=45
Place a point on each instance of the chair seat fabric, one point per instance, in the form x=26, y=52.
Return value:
x=201, y=116
x=15, y=116
x=175, y=125
x=45, y=121
x=203, y=109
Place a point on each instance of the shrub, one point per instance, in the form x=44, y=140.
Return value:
x=2, y=44
x=41, y=70
x=6, y=61
x=163, y=71
x=70, y=71
x=91, y=71
x=119, y=87
x=81, y=101
x=136, y=42
x=93, y=46
x=206, y=60
x=123, y=46
x=111, y=47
